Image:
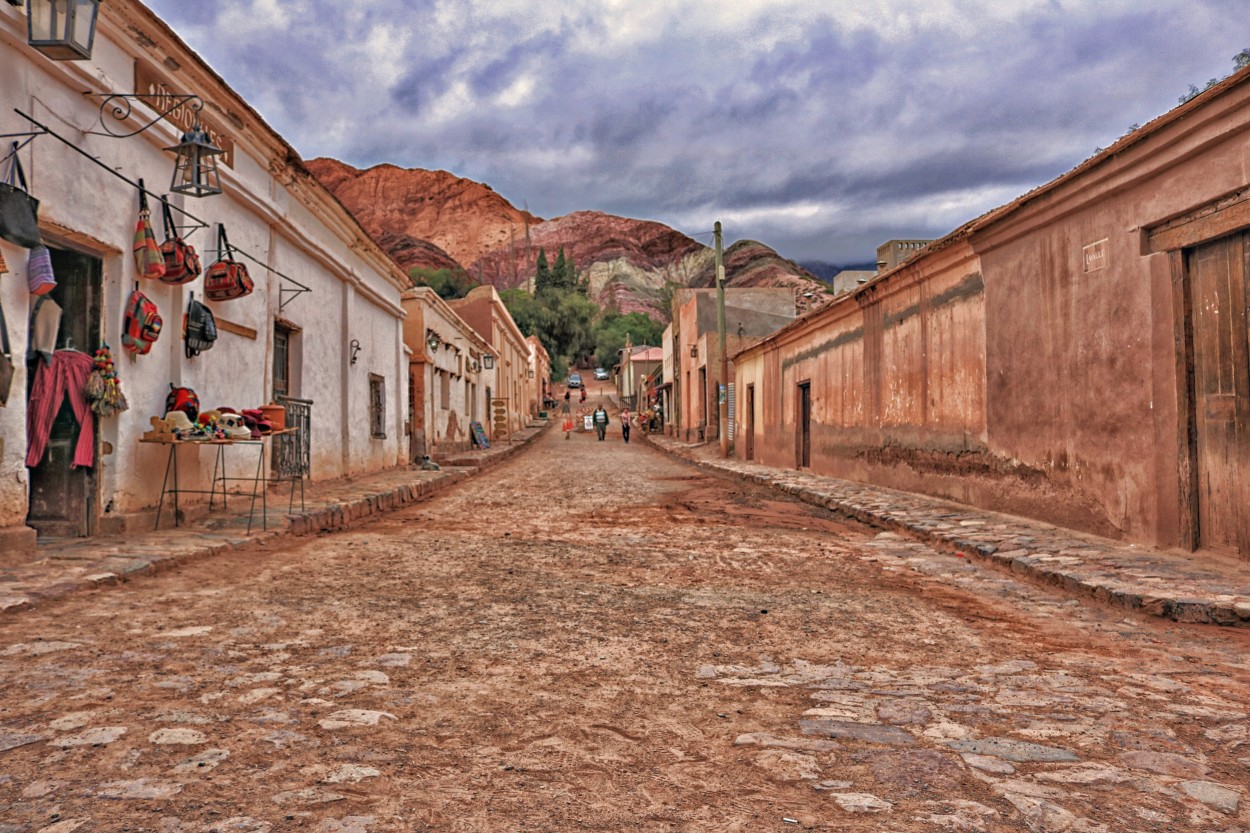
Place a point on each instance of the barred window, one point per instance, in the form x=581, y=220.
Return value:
x=377, y=406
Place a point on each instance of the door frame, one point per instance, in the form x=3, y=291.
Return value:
x=97, y=329
x=1189, y=532
x=803, y=424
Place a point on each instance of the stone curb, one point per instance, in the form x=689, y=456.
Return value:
x=114, y=570
x=1069, y=568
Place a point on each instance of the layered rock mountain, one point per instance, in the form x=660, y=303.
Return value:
x=436, y=220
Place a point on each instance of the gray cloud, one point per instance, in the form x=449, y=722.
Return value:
x=821, y=132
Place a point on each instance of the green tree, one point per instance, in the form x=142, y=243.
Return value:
x=612, y=330
x=543, y=279
x=448, y=283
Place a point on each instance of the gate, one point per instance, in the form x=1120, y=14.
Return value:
x=292, y=453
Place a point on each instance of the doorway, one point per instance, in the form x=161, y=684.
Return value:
x=1220, y=392
x=63, y=500
x=804, y=418
x=750, y=423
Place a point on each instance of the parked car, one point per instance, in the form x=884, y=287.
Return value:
x=602, y=375
x=575, y=380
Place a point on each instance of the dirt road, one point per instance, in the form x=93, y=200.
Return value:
x=595, y=637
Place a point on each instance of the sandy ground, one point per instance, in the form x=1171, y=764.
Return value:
x=596, y=637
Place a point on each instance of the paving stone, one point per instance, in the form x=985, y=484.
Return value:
x=139, y=788
x=1216, y=796
x=394, y=660
x=13, y=739
x=987, y=763
x=1042, y=816
x=354, y=717
x=773, y=742
x=904, y=712
x=869, y=732
x=177, y=737
x=181, y=633
x=347, y=824
x=785, y=765
x=73, y=720
x=35, y=649
x=1013, y=750
x=351, y=774
x=861, y=803
x=206, y=760
x=1164, y=763
x=99, y=736
x=64, y=826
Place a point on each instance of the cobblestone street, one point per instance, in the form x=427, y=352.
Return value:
x=594, y=636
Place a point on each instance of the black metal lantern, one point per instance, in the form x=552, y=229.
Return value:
x=432, y=340
x=64, y=30
x=488, y=361
x=195, y=169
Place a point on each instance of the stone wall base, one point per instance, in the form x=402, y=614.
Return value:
x=17, y=545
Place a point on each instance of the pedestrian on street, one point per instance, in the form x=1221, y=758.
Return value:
x=600, y=420
x=566, y=409
x=625, y=424
x=583, y=399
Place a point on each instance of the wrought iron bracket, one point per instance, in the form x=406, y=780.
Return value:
x=120, y=107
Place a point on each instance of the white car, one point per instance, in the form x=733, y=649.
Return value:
x=602, y=375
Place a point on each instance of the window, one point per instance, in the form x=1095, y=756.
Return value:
x=281, y=361
x=377, y=406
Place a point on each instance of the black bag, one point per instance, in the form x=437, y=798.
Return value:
x=6, y=361
x=19, y=211
x=199, y=329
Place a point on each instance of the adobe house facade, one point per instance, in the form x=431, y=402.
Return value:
x=749, y=312
x=1078, y=356
x=324, y=324
x=446, y=387
x=511, y=390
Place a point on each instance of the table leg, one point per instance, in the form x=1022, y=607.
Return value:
x=164, y=480
x=251, y=512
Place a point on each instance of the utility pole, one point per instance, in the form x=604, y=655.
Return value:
x=722, y=393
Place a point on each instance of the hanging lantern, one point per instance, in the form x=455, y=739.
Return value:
x=64, y=30
x=488, y=361
x=195, y=169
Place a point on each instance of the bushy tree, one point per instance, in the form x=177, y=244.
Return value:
x=613, y=328
x=448, y=283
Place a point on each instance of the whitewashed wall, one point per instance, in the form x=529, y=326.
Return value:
x=282, y=218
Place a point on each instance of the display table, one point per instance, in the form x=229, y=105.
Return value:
x=220, y=476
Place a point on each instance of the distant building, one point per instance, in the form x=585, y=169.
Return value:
x=895, y=252
x=849, y=280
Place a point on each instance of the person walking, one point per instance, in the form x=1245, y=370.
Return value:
x=625, y=424
x=583, y=399
x=600, y=420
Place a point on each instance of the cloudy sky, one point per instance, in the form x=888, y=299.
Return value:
x=820, y=128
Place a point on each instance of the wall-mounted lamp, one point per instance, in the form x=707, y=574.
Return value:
x=63, y=30
x=195, y=165
x=195, y=162
x=432, y=340
x=488, y=361
x=529, y=374
x=694, y=351
x=354, y=347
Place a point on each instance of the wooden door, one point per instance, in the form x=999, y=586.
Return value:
x=750, y=422
x=805, y=425
x=1221, y=390
x=63, y=499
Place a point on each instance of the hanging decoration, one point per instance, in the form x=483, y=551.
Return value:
x=103, y=389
